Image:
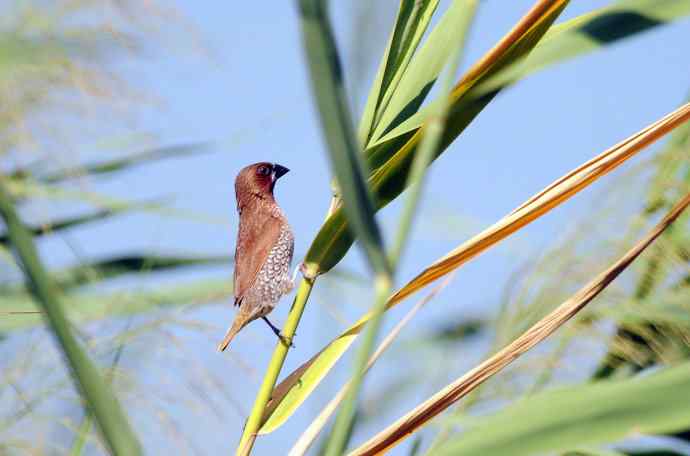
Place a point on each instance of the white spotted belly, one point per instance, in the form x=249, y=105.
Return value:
x=273, y=280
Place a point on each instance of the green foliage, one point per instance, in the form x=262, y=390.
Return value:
x=327, y=83
x=584, y=34
x=391, y=161
x=330, y=243
x=424, y=69
x=396, y=150
x=44, y=52
x=20, y=313
x=116, y=266
x=55, y=226
x=410, y=25
x=55, y=56
x=590, y=32
x=99, y=398
x=589, y=414
x=126, y=163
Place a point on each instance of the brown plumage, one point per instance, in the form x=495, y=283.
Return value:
x=264, y=247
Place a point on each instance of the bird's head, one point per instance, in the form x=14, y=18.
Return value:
x=258, y=180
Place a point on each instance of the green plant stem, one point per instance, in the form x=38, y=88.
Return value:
x=432, y=136
x=433, y=131
x=256, y=416
x=87, y=421
x=338, y=131
x=383, y=288
x=82, y=436
x=343, y=422
x=98, y=397
x=326, y=79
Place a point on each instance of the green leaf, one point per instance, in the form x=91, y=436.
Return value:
x=593, y=31
x=590, y=414
x=659, y=452
x=424, y=69
x=581, y=35
x=592, y=452
x=82, y=436
x=22, y=188
x=115, y=429
x=452, y=332
x=73, y=222
x=125, y=163
x=18, y=53
x=393, y=159
x=96, y=271
x=108, y=268
x=19, y=313
x=637, y=452
x=433, y=131
x=411, y=23
x=327, y=84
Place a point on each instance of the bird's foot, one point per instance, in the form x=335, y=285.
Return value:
x=287, y=342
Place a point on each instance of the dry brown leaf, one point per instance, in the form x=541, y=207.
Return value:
x=553, y=195
x=439, y=402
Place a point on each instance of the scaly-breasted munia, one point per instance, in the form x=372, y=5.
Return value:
x=264, y=248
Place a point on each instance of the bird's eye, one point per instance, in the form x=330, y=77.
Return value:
x=263, y=171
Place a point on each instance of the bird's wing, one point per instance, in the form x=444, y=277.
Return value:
x=257, y=235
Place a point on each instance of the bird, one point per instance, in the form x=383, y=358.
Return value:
x=263, y=253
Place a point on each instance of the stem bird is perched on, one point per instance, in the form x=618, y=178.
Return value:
x=264, y=248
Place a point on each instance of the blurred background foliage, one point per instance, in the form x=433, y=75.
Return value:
x=74, y=99
x=64, y=70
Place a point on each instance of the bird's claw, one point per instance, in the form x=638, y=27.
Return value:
x=287, y=342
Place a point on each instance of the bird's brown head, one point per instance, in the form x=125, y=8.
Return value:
x=257, y=181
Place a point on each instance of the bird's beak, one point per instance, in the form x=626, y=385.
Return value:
x=279, y=171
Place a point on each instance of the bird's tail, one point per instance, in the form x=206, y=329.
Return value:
x=237, y=325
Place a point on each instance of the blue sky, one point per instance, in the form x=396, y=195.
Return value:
x=247, y=91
